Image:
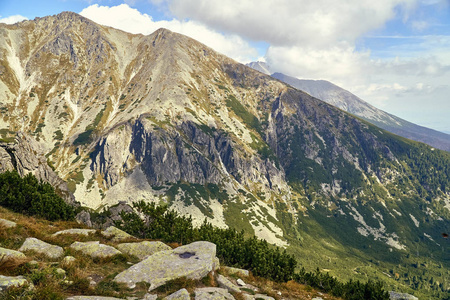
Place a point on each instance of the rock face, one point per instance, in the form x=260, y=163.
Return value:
x=193, y=261
x=142, y=249
x=95, y=249
x=51, y=251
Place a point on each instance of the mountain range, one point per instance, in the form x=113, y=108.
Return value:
x=163, y=118
x=343, y=99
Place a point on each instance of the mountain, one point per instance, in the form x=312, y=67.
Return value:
x=163, y=118
x=343, y=99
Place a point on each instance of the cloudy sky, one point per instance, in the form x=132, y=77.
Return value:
x=394, y=54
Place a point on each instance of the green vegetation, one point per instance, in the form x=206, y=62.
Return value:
x=248, y=118
x=29, y=196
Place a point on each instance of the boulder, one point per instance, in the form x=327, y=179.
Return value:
x=150, y=297
x=10, y=254
x=193, y=261
x=240, y=282
x=10, y=281
x=38, y=246
x=84, y=232
x=227, y=284
x=210, y=293
x=240, y=272
x=7, y=223
x=401, y=296
x=143, y=249
x=68, y=260
x=258, y=296
x=95, y=249
x=116, y=234
x=182, y=294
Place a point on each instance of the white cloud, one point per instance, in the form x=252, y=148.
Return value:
x=13, y=19
x=131, y=20
x=291, y=22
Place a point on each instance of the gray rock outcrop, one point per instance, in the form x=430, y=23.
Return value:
x=237, y=271
x=84, y=232
x=401, y=296
x=92, y=298
x=210, y=293
x=7, y=223
x=10, y=254
x=95, y=249
x=182, y=294
x=116, y=234
x=41, y=247
x=142, y=249
x=10, y=281
x=193, y=261
x=227, y=284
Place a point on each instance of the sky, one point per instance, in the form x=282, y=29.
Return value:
x=394, y=54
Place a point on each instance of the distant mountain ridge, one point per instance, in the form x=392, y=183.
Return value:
x=343, y=99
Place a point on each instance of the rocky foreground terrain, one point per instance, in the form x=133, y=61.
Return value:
x=88, y=264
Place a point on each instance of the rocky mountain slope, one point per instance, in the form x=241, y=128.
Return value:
x=343, y=99
x=125, y=117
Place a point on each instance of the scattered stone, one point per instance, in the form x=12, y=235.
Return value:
x=257, y=296
x=92, y=298
x=38, y=246
x=240, y=272
x=7, y=223
x=317, y=298
x=210, y=293
x=10, y=281
x=182, y=294
x=143, y=249
x=116, y=234
x=60, y=273
x=401, y=296
x=84, y=232
x=10, y=254
x=193, y=261
x=33, y=264
x=227, y=284
x=95, y=249
x=240, y=282
x=68, y=260
x=150, y=297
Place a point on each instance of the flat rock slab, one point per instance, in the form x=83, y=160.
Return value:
x=400, y=296
x=95, y=249
x=237, y=271
x=38, y=246
x=182, y=294
x=116, y=234
x=143, y=249
x=193, y=261
x=10, y=254
x=7, y=223
x=92, y=298
x=210, y=293
x=10, y=281
x=227, y=284
x=78, y=231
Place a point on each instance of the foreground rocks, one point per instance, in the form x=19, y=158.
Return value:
x=38, y=246
x=193, y=261
x=95, y=249
x=11, y=281
x=143, y=249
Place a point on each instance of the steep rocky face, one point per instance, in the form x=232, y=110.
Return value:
x=164, y=118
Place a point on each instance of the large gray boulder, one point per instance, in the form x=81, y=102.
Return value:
x=7, y=223
x=237, y=271
x=92, y=298
x=182, y=294
x=10, y=281
x=401, y=296
x=193, y=261
x=10, y=254
x=143, y=249
x=210, y=293
x=95, y=249
x=41, y=247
